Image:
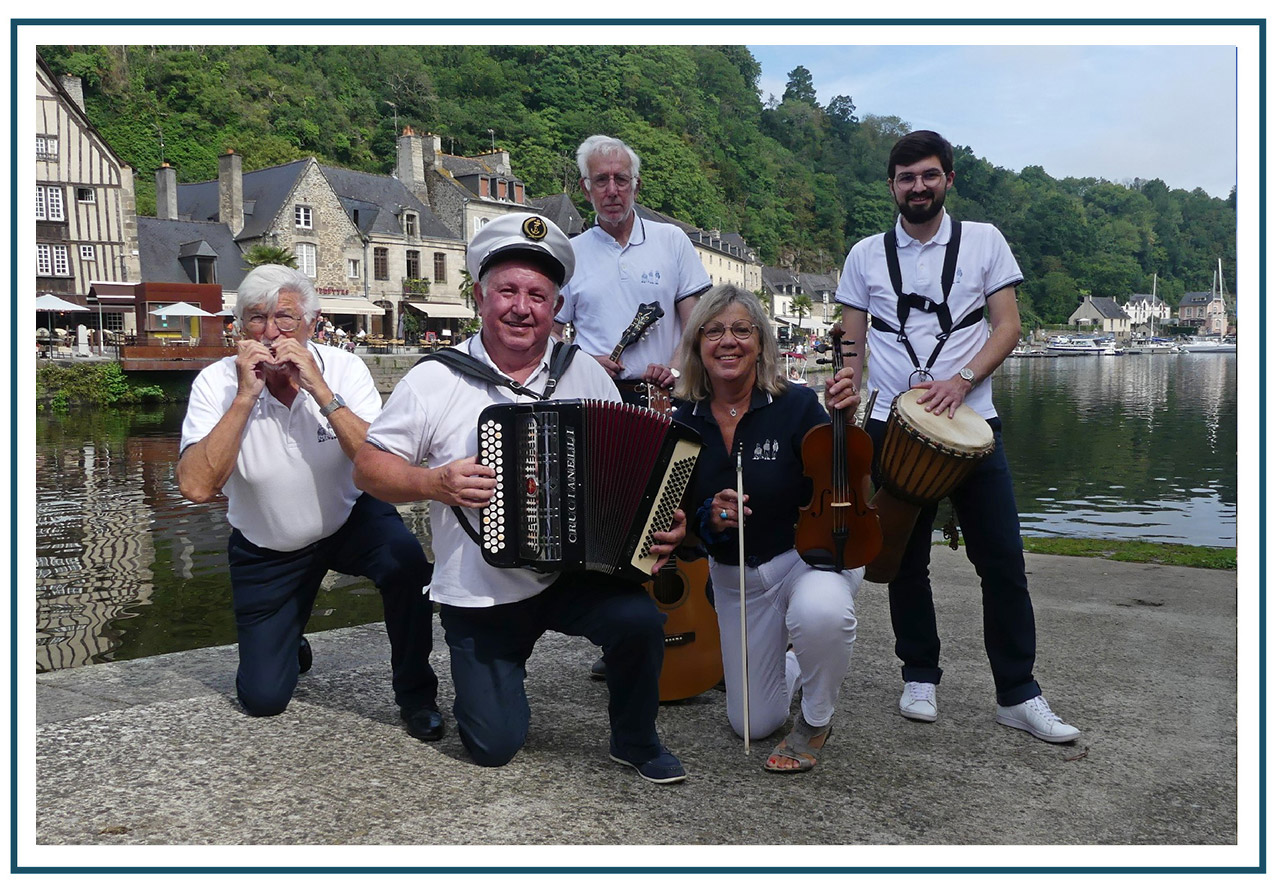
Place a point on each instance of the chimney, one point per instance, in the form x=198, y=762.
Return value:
x=230, y=192
x=409, y=159
x=74, y=87
x=499, y=160
x=166, y=192
x=431, y=150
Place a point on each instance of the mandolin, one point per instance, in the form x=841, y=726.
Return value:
x=646, y=316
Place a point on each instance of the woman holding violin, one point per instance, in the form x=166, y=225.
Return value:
x=800, y=620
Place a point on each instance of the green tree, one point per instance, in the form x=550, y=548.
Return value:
x=262, y=254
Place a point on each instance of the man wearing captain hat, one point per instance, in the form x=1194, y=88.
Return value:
x=423, y=446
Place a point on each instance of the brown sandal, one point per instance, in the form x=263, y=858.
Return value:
x=799, y=747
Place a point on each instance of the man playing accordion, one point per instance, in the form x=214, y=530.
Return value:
x=424, y=446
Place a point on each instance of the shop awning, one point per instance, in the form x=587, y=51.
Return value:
x=442, y=309
x=109, y=292
x=336, y=305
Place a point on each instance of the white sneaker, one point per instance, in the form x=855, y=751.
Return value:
x=919, y=701
x=1038, y=719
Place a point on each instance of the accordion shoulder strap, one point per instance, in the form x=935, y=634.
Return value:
x=466, y=365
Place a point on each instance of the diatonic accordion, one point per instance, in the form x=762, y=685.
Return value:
x=582, y=484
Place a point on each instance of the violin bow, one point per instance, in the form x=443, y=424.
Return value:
x=742, y=612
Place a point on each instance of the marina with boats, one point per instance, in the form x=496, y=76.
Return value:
x=1108, y=346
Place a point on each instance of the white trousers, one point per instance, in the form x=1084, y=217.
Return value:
x=787, y=602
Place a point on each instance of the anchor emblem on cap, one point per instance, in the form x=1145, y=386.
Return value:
x=534, y=228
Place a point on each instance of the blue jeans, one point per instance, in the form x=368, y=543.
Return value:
x=489, y=646
x=273, y=593
x=988, y=519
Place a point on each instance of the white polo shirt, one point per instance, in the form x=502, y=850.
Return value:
x=292, y=483
x=984, y=266
x=610, y=282
x=431, y=418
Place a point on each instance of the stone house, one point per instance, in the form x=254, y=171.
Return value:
x=373, y=249
x=465, y=193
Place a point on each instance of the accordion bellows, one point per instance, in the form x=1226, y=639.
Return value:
x=582, y=484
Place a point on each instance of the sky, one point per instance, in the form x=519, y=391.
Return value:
x=1109, y=112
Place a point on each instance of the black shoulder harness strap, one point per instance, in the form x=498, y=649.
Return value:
x=907, y=301
x=464, y=364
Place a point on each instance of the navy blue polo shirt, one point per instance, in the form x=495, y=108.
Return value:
x=770, y=435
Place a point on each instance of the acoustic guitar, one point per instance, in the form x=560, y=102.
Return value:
x=691, y=661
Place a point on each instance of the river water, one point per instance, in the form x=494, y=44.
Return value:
x=1129, y=447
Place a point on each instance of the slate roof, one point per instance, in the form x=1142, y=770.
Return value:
x=559, y=208
x=1144, y=297
x=162, y=241
x=816, y=284
x=1107, y=307
x=265, y=191
x=377, y=198
x=1197, y=298
x=776, y=279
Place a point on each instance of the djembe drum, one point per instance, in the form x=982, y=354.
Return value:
x=923, y=459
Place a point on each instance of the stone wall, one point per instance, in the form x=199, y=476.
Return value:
x=388, y=369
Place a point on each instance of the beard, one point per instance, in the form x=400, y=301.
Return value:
x=918, y=215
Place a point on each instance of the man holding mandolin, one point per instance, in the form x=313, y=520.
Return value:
x=635, y=285
x=923, y=288
x=626, y=264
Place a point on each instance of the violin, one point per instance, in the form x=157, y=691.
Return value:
x=838, y=529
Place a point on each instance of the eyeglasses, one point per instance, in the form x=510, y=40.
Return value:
x=715, y=331
x=621, y=182
x=285, y=323
x=931, y=178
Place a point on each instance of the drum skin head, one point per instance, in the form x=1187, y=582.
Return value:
x=966, y=432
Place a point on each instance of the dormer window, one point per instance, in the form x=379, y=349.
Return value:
x=410, y=225
x=302, y=216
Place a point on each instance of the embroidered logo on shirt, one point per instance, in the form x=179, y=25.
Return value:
x=766, y=451
x=651, y=277
x=325, y=432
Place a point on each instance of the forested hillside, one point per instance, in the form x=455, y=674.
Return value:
x=800, y=181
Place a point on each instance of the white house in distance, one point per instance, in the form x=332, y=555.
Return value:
x=1147, y=312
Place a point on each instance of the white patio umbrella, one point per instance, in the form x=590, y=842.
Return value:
x=51, y=303
x=181, y=309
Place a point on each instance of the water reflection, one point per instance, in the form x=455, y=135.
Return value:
x=1137, y=446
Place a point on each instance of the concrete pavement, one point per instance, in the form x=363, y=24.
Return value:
x=1141, y=658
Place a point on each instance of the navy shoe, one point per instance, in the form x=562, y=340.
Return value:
x=665, y=768
x=425, y=724
x=304, y=656
x=598, y=670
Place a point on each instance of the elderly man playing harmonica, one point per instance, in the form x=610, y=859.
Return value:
x=424, y=446
x=274, y=429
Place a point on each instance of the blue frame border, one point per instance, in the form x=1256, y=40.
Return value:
x=15, y=289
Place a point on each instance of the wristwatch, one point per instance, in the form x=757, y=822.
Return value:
x=338, y=403
x=966, y=374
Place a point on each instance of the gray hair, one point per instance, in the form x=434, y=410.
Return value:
x=694, y=383
x=262, y=287
x=599, y=146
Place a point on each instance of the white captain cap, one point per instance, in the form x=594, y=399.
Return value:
x=526, y=234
